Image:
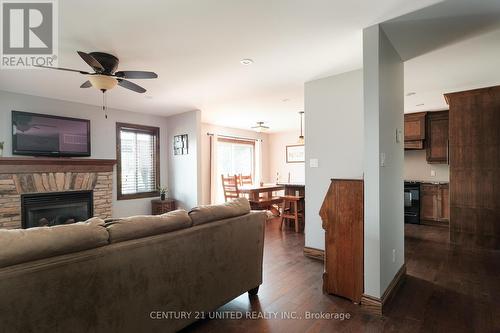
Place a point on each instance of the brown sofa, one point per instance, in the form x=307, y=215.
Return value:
x=129, y=275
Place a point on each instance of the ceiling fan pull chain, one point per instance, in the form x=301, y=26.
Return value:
x=104, y=104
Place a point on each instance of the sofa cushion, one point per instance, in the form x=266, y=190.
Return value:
x=22, y=245
x=209, y=213
x=147, y=225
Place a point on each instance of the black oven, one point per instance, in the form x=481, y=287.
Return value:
x=412, y=202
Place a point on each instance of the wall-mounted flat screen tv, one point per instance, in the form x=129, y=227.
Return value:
x=45, y=135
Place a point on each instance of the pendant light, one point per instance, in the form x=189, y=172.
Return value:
x=301, y=137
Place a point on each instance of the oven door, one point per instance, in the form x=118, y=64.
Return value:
x=412, y=205
x=408, y=198
x=411, y=197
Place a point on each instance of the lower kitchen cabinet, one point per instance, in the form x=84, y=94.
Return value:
x=434, y=204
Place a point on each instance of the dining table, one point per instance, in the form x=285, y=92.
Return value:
x=257, y=192
x=294, y=188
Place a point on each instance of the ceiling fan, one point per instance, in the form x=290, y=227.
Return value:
x=260, y=127
x=105, y=76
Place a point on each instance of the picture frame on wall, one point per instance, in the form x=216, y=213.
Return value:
x=181, y=144
x=295, y=154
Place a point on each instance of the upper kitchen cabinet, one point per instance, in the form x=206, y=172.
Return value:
x=437, y=137
x=415, y=130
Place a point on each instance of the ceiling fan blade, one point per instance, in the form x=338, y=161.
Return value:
x=63, y=69
x=91, y=61
x=130, y=85
x=86, y=84
x=136, y=75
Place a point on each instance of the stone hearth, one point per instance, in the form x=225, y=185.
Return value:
x=29, y=175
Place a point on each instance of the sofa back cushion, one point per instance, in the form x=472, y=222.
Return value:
x=209, y=213
x=23, y=245
x=146, y=225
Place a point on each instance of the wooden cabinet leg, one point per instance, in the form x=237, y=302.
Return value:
x=254, y=291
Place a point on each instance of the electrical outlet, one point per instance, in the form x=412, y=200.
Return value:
x=433, y=173
x=393, y=255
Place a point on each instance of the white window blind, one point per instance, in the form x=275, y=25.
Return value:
x=138, y=161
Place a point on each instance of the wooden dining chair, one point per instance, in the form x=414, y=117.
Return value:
x=230, y=187
x=245, y=180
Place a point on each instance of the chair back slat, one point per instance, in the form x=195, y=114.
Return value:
x=230, y=187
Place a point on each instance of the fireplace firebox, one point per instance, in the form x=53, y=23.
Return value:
x=49, y=209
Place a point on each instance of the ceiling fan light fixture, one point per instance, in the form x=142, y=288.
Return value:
x=260, y=127
x=102, y=82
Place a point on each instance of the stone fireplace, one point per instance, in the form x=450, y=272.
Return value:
x=85, y=184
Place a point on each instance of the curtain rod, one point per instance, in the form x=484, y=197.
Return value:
x=234, y=137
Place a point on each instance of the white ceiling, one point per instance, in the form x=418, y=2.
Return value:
x=450, y=46
x=468, y=64
x=196, y=46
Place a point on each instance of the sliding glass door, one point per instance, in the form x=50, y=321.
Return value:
x=234, y=157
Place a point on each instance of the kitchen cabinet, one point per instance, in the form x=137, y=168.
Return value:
x=415, y=130
x=434, y=204
x=437, y=137
x=444, y=190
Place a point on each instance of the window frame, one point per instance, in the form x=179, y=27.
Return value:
x=242, y=142
x=155, y=131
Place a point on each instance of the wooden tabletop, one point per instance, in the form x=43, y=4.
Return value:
x=258, y=188
x=292, y=184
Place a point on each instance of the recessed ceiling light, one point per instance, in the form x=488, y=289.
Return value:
x=421, y=104
x=411, y=93
x=285, y=100
x=246, y=61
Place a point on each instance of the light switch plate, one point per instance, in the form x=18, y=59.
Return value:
x=313, y=163
x=399, y=135
x=382, y=159
x=433, y=173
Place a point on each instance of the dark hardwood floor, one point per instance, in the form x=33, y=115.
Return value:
x=447, y=290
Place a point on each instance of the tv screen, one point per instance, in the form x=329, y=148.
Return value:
x=44, y=135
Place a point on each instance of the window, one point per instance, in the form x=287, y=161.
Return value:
x=138, y=154
x=234, y=157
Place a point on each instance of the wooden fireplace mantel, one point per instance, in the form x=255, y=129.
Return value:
x=54, y=164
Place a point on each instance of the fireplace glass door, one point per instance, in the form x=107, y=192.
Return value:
x=49, y=209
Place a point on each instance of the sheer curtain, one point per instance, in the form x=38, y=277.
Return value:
x=214, y=173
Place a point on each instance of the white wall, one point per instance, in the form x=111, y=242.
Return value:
x=383, y=116
x=103, y=138
x=417, y=168
x=184, y=171
x=334, y=135
x=205, y=153
x=277, y=158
